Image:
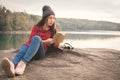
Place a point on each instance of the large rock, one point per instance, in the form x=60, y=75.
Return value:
x=79, y=64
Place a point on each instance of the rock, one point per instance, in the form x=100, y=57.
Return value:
x=78, y=64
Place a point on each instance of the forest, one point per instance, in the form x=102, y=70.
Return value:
x=16, y=21
x=23, y=21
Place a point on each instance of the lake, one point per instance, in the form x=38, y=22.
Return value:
x=89, y=39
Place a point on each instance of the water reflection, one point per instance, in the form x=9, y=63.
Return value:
x=8, y=41
x=90, y=36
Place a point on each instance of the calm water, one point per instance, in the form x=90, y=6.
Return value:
x=78, y=40
x=12, y=41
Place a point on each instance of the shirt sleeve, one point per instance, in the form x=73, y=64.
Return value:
x=33, y=33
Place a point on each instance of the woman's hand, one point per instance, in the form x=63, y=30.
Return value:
x=48, y=41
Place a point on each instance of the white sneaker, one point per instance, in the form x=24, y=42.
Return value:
x=8, y=67
x=20, y=68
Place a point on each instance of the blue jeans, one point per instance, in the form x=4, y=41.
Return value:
x=26, y=53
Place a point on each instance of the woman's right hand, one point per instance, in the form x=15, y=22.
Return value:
x=48, y=41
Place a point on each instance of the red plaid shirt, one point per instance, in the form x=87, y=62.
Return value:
x=38, y=30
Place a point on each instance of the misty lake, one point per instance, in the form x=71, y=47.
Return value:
x=90, y=39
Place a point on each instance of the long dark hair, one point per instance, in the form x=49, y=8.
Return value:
x=42, y=22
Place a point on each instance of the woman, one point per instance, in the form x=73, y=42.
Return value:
x=36, y=47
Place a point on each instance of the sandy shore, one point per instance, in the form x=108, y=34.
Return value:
x=79, y=64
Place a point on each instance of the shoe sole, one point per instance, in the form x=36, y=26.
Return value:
x=7, y=68
x=19, y=70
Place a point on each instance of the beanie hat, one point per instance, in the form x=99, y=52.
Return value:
x=47, y=11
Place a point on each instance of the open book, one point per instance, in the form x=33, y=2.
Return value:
x=58, y=38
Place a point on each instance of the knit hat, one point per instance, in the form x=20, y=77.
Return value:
x=47, y=11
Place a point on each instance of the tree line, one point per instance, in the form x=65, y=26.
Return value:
x=16, y=21
x=22, y=21
x=85, y=25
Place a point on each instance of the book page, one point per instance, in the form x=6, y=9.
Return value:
x=58, y=38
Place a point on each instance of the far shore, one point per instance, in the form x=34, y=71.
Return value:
x=15, y=32
x=92, y=32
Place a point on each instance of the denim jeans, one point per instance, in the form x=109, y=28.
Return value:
x=26, y=53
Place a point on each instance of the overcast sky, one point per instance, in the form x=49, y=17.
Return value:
x=107, y=10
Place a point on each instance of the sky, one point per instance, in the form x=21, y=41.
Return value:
x=103, y=10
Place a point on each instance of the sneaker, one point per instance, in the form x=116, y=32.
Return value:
x=8, y=67
x=20, y=68
x=68, y=46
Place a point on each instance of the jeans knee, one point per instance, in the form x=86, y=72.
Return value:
x=38, y=38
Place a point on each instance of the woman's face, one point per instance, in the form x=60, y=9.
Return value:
x=51, y=20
